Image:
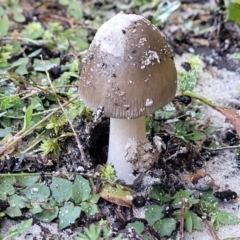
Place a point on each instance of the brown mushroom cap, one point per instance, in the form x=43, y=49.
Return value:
x=129, y=69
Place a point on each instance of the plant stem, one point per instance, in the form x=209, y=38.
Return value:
x=202, y=99
x=51, y=174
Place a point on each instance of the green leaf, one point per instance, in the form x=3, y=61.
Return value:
x=64, y=2
x=37, y=192
x=188, y=223
x=13, y=212
x=227, y=218
x=18, y=16
x=4, y=25
x=2, y=214
x=89, y=208
x=6, y=189
x=21, y=66
x=208, y=207
x=7, y=102
x=75, y=10
x=28, y=117
x=10, y=179
x=61, y=189
x=16, y=203
x=35, y=207
x=158, y=194
x=187, y=195
x=197, y=221
x=209, y=131
x=25, y=181
x=68, y=214
x=19, y=201
x=20, y=228
x=187, y=80
x=93, y=198
x=5, y=131
x=37, y=103
x=234, y=13
x=49, y=211
x=165, y=227
x=81, y=189
x=19, y=62
x=208, y=196
x=39, y=66
x=195, y=136
x=138, y=226
x=33, y=30
x=153, y=214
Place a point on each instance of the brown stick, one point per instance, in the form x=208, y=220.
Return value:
x=211, y=230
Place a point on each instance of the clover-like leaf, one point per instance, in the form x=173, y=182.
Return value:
x=89, y=208
x=165, y=227
x=158, y=194
x=81, y=189
x=154, y=213
x=68, y=214
x=6, y=189
x=13, y=212
x=138, y=226
x=25, y=181
x=61, y=189
x=37, y=192
x=49, y=211
x=16, y=202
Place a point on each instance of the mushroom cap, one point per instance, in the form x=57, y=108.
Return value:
x=129, y=69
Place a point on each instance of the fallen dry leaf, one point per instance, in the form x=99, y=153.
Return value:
x=232, y=115
x=117, y=194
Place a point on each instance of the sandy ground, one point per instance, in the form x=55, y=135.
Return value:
x=222, y=87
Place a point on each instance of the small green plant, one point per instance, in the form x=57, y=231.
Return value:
x=184, y=205
x=107, y=172
x=33, y=30
x=98, y=231
x=18, y=229
x=187, y=80
x=62, y=199
x=233, y=12
x=5, y=55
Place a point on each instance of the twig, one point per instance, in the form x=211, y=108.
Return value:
x=222, y=148
x=34, y=114
x=181, y=228
x=94, y=189
x=84, y=159
x=25, y=41
x=211, y=230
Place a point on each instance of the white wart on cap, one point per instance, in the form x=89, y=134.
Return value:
x=129, y=69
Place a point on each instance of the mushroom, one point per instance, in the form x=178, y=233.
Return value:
x=129, y=72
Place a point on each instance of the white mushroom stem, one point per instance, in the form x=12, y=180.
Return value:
x=120, y=131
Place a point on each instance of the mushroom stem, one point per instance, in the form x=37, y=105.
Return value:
x=120, y=131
